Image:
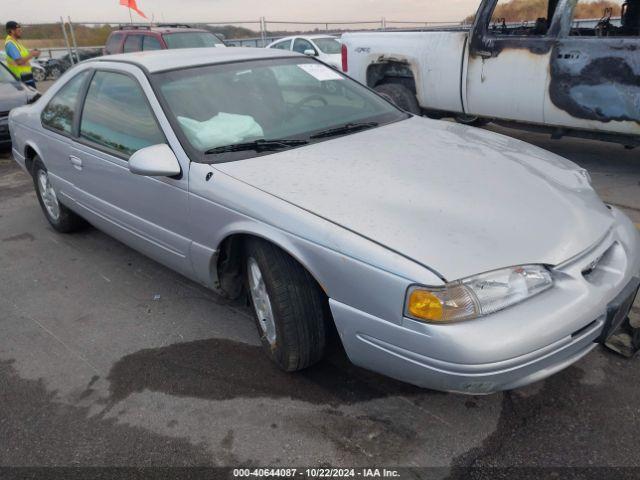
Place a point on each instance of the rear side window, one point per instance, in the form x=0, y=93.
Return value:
x=286, y=45
x=60, y=112
x=113, y=44
x=151, y=43
x=117, y=116
x=133, y=43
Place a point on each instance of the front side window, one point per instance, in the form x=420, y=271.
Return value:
x=293, y=98
x=286, y=45
x=133, y=43
x=59, y=114
x=522, y=17
x=151, y=43
x=330, y=46
x=117, y=116
x=191, y=40
x=301, y=45
x=613, y=18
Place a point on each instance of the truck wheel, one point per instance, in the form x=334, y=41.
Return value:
x=60, y=217
x=400, y=95
x=471, y=120
x=290, y=309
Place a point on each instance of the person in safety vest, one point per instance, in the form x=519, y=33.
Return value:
x=18, y=56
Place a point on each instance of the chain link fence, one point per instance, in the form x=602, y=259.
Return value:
x=70, y=36
x=68, y=42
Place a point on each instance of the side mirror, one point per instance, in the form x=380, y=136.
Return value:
x=310, y=53
x=155, y=161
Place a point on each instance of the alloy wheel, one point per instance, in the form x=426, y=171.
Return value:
x=48, y=195
x=261, y=301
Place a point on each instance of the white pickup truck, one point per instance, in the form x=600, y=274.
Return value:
x=552, y=73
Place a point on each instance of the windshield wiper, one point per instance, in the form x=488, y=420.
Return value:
x=348, y=128
x=258, y=145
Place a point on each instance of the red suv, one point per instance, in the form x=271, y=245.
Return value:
x=139, y=38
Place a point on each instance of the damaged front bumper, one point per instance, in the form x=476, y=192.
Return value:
x=592, y=295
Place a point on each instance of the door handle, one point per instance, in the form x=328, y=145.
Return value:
x=76, y=162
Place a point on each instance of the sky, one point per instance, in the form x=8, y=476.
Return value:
x=40, y=11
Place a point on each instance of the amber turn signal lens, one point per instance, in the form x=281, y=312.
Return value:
x=425, y=305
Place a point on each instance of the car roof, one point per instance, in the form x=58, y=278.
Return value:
x=162, y=60
x=309, y=37
x=162, y=30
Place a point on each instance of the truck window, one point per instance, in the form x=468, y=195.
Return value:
x=522, y=17
x=151, y=43
x=606, y=18
x=113, y=43
x=133, y=43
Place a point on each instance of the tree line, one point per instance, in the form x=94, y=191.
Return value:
x=519, y=10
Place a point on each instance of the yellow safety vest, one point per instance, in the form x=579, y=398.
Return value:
x=17, y=70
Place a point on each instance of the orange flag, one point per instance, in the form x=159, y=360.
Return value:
x=133, y=6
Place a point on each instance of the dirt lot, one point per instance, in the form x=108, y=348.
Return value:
x=107, y=358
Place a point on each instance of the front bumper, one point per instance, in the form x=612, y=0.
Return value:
x=511, y=348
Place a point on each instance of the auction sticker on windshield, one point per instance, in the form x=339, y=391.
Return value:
x=320, y=72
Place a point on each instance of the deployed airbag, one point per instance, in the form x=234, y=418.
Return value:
x=220, y=130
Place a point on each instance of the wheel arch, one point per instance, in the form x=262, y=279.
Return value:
x=226, y=264
x=31, y=150
x=394, y=70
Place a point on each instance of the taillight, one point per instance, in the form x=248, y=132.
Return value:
x=345, y=59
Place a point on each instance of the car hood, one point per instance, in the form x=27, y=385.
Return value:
x=12, y=95
x=459, y=200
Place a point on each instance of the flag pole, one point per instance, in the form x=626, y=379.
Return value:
x=130, y=17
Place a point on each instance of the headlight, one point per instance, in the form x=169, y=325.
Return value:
x=477, y=296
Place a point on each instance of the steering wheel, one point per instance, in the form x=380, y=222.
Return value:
x=309, y=99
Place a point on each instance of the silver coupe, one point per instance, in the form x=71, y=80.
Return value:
x=446, y=256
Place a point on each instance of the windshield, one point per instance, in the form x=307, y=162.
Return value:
x=191, y=40
x=284, y=99
x=5, y=75
x=330, y=46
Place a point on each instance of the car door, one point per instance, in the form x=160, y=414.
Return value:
x=121, y=115
x=508, y=60
x=595, y=71
x=58, y=119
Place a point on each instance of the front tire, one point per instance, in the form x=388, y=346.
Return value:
x=471, y=120
x=400, y=96
x=60, y=217
x=290, y=309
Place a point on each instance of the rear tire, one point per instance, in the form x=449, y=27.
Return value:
x=400, y=96
x=60, y=217
x=290, y=309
